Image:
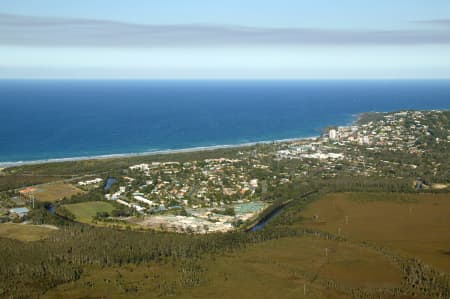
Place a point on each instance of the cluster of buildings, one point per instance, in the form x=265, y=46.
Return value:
x=345, y=149
x=15, y=208
x=201, y=189
x=18, y=213
x=95, y=181
x=206, y=183
x=308, y=151
x=399, y=131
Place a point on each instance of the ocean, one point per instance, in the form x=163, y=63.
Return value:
x=57, y=119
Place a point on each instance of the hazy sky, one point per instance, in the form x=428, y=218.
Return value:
x=225, y=39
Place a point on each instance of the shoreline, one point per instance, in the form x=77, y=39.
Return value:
x=354, y=121
x=4, y=165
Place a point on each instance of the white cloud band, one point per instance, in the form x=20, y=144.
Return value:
x=18, y=30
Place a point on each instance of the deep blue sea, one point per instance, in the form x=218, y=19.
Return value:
x=43, y=120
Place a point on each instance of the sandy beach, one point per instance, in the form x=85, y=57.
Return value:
x=4, y=165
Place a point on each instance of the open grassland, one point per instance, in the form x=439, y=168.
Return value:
x=285, y=268
x=24, y=232
x=55, y=191
x=85, y=211
x=416, y=225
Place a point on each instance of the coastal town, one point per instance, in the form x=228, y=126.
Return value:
x=221, y=194
x=355, y=149
x=202, y=196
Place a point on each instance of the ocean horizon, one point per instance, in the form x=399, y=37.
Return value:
x=57, y=120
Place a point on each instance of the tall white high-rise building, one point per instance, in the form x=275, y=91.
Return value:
x=332, y=134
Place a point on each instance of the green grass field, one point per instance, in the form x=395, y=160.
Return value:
x=86, y=210
x=24, y=232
